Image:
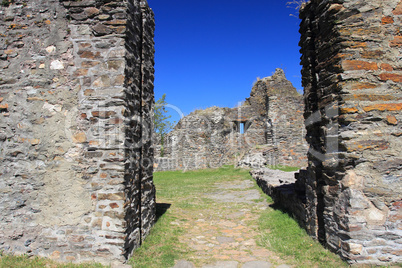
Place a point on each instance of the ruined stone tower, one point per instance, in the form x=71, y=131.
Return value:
x=76, y=97
x=352, y=74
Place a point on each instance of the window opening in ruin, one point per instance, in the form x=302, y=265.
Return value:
x=242, y=127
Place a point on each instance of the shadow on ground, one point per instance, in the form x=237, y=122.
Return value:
x=161, y=208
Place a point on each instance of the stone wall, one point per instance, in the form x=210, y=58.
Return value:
x=76, y=96
x=285, y=110
x=271, y=120
x=198, y=138
x=352, y=74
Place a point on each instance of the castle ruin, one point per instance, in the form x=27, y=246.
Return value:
x=267, y=129
x=76, y=101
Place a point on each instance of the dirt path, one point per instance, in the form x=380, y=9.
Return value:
x=224, y=234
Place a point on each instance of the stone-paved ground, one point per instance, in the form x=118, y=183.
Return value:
x=224, y=234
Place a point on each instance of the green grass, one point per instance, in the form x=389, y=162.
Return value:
x=162, y=247
x=23, y=261
x=179, y=184
x=282, y=234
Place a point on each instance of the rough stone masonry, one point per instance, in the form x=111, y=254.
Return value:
x=76, y=100
x=350, y=196
x=351, y=192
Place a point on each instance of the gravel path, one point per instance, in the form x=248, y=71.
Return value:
x=224, y=234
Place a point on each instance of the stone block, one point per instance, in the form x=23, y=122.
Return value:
x=101, y=29
x=111, y=196
x=79, y=137
x=398, y=9
x=387, y=20
x=397, y=42
x=89, y=64
x=86, y=54
x=391, y=120
x=353, y=181
x=81, y=72
x=348, y=110
x=386, y=67
x=361, y=85
x=383, y=107
x=352, y=65
x=376, y=145
x=103, y=114
x=91, y=11
x=375, y=216
x=352, y=248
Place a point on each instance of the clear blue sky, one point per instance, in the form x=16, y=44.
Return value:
x=209, y=52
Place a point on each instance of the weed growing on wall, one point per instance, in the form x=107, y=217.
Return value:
x=297, y=5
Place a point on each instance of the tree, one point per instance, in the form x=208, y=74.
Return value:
x=162, y=125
